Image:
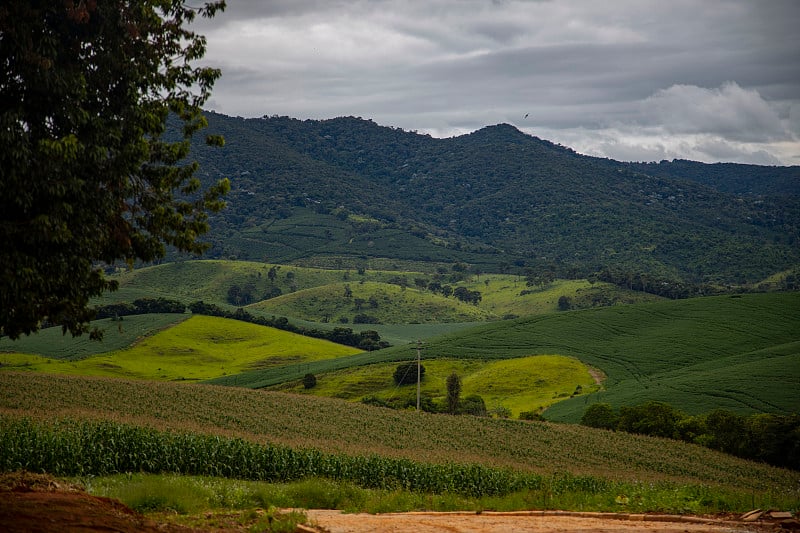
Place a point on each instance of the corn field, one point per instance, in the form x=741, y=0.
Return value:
x=86, y=448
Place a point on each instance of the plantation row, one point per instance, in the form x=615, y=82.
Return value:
x=303, y=422
x=86, y=448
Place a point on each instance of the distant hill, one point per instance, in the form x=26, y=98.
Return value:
x=349, y=190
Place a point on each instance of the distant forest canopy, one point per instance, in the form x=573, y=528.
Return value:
x=347, y=191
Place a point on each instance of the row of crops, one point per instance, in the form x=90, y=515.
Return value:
x=69, y=447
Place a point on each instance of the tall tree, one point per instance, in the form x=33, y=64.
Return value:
x=453, y=393
x=87, y=175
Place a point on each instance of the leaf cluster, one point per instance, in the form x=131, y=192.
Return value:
x=87, y=175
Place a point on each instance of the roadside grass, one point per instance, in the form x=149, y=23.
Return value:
x=198, y=348
x=52, y=343
x=195, y=501
x=524, y=384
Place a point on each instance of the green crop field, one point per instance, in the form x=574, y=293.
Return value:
x=523, y=384
x=326, y=423
x=739, y=353
x=199, y=348
x=53, y=344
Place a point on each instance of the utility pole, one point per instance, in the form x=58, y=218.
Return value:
x=419, y=349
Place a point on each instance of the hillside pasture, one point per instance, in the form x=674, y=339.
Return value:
x=51, y=343
x=523, y=384
x=387, y=303
x=199, y=348
x=733, y=352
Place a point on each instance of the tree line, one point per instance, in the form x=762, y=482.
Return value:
x=768, y=438
x=364, y=340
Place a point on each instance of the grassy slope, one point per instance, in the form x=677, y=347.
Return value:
x=53, y=344
x=198, y=348
x=739, y=353
x=393, y=304
x=209, y=280
x=524, y=384
x=337, y=426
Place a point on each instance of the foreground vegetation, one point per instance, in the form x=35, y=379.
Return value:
x=317, y=436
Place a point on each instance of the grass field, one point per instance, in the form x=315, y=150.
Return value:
x=334, y=432
x=502, y=295
x=198, y=348
x=53, y=344
x=387, y=303
x=523, y=384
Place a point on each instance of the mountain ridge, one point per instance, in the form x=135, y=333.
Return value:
x=498, y=191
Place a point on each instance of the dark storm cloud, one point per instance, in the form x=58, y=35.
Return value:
x=711, y=80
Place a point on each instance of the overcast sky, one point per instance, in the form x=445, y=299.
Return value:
x=641, y=80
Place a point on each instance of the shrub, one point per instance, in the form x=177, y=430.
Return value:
x=600, y=415
x=309, y=381
x=406, y=373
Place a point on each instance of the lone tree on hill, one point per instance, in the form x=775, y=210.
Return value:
x=87, y=177
x=453, y=393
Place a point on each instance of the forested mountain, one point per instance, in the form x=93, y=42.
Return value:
x=498, y=198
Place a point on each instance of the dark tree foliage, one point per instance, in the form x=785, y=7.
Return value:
x=309, y=381
x=600, y=415
x=86, y=174
x=770, y=438
x=141, y=306
x=406, y=373
x=453, y=393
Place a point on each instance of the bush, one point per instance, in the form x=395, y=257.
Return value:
x=406, y=373
x=600, y=415
x=656, y=419
x=309, y=381
x=473, y=405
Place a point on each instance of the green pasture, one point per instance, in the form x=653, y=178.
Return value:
x=523, y=384
x=733, y=352
x=504, y=295
x=199, y=348
x=387, y=303
x=118, y=334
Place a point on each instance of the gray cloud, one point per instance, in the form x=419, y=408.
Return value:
x=712, y=79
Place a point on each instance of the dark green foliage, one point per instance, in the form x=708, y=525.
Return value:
x=656, y=419
x=87, y=175
x=768, y=438
x=453, y=393
x=600, y=415
x=141, y=306
x=473, y=405
x=488, y=199
x=309, y=381
x=406, y=373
